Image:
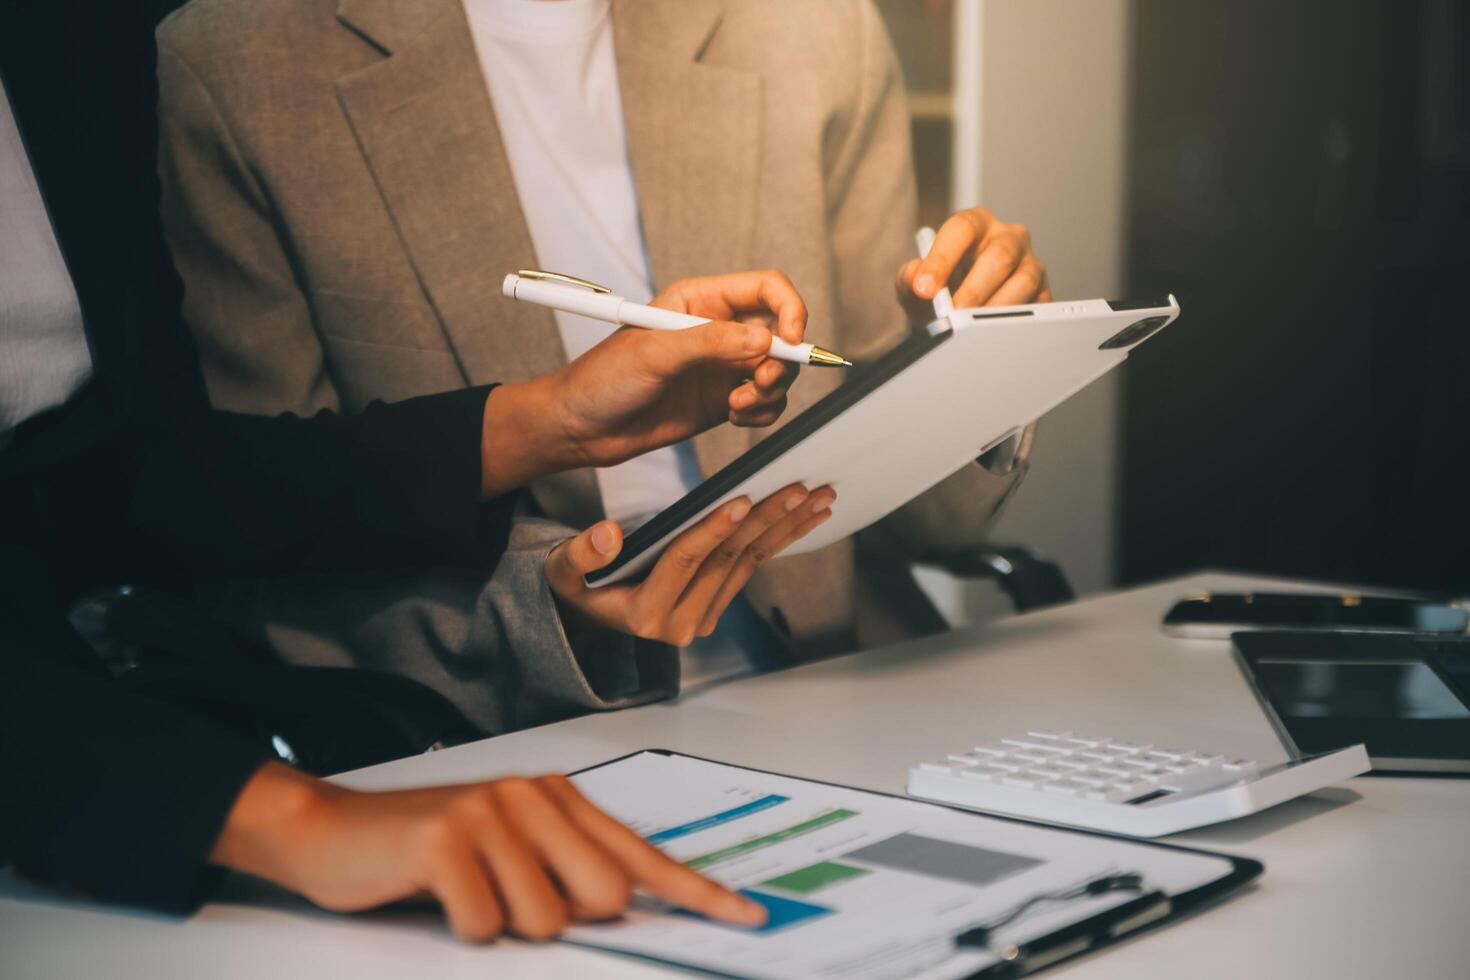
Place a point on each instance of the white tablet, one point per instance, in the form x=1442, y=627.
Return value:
x=901, y=424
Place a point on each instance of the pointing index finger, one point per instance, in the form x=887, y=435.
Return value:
x=655, y=871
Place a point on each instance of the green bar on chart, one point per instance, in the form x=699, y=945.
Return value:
x=796, y=830
x=814, y=877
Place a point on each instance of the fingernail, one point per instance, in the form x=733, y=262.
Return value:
x=924, y=284
x=738, y=510
x=794, y=501
x=604, y=540
x=826, y=498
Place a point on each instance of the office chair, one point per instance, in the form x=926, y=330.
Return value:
x=1029, y=580
x=325, y=720
x=330, y=719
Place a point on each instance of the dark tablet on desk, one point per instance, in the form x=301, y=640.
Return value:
x=1407, y=698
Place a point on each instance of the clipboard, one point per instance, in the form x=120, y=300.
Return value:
x=940, y=399
x=873, y=845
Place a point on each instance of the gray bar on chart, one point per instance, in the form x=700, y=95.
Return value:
x=942, y=859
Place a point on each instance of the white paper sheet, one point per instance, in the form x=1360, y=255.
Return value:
x=860, y=885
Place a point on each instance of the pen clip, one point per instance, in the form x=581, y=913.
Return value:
x=983, y=936
x=558, y=277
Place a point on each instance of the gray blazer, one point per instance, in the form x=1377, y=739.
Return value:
x=342, y=210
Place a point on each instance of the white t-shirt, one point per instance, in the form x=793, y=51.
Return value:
x=553, y=81
x=554, y=84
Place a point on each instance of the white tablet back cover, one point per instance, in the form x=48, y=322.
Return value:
x=1000, y=369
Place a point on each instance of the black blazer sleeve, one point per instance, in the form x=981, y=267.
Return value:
x=107, y=792
x=209, y=494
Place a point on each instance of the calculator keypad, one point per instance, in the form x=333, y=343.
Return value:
x=1088, y=767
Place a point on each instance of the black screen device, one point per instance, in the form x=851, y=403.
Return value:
x=860, y=383
x=1405, y=697
x=1219, y=616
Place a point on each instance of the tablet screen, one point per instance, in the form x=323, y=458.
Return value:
x=861, y=382
x=1358, y=689
x=1401, y=696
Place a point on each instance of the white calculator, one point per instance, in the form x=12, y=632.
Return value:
x=1120, y=787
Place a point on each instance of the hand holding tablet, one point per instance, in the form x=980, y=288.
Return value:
x=927, y=408
x=698, y=575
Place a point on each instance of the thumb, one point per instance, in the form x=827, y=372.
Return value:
x=719, y=340
x=587, y=552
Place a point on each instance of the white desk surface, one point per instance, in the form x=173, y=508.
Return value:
x=1370, y=879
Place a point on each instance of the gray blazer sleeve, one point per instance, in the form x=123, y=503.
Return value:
x=495, y=648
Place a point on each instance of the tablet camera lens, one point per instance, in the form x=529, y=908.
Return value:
x=1133, y=333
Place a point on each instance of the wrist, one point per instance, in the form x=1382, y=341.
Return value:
x=275, y=815
x=522, y=437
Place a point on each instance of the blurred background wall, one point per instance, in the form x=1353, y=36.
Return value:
x=1052, y=154
x=1300, y=175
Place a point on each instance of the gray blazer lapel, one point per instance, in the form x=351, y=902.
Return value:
x=693, y=137
x=426, y=126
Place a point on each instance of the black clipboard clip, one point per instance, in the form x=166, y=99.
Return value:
x=1070, y=940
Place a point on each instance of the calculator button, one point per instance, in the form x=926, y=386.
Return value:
x=1017, y=779
x=1031, y=745
x=1049, y=736
x=1113, y=771
x=1090, y=778
x=1166, y=755
x=1128, y=747
x=982, y=773
x=967, y=760
x=994, y=748
x=1069, y=763
x=1083, y=741
x=1008, y=765
x=1046, y=772
x=1026, y=756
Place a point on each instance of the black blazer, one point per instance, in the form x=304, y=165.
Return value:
x=138, y=480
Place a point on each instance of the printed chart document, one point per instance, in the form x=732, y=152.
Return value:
x=857, y=884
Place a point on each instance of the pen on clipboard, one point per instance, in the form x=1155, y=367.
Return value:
x=572, y=295
x=943, y=302
x=1078, y=937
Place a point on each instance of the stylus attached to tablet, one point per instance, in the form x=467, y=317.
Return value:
x=933, y=404
x=986, y=372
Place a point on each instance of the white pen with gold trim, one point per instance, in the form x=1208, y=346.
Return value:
x=572, y=295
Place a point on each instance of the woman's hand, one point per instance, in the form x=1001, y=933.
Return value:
x=640, y=390
x=983, y=260
x=696, y=577
x=524, y=856
x=643, y=389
